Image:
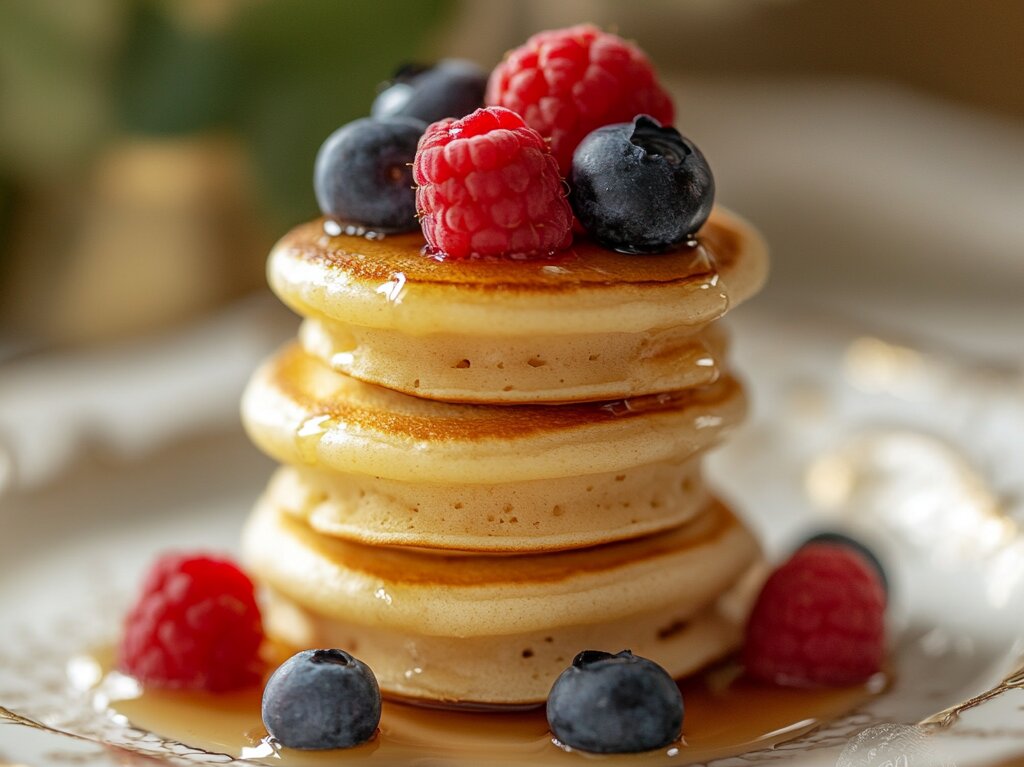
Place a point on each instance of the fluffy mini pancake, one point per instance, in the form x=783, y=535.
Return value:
x=532, y=368
x=513, y=669
x=587, y=324
x=510, y=517
x=389, y=283
x=300, y=411
x=470, y=595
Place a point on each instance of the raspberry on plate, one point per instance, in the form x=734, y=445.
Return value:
x=567, y=82
x=488, y=186
x=195, y=626
x=819, y=620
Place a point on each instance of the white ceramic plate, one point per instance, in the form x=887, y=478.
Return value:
x=917, y=454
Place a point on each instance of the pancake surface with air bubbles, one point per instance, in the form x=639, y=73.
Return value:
x=505, y=517
x=299, y=411
x=651, y=589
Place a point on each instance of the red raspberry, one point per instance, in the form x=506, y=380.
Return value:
x=195, y=626
x=488, y=186
x=567, y=82
x=820, y=620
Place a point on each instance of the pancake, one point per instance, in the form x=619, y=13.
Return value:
x=514, y=670
x=497, y=630
x=471, y=595
x=299, y=411
x=541, y=368
x=587, y=324
x=511, y=517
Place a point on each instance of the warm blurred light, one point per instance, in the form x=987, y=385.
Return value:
x=914, y=485
x=877, y=367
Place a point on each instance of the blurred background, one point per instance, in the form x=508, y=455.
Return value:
x=150, y=153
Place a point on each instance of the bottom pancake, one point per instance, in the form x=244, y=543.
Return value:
x=513, y=670
x=495, y=629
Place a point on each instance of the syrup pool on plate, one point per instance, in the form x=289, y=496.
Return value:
x=726, y=715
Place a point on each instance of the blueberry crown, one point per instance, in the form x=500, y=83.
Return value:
x=589, y=657
x=659, y=141
x=337, y=657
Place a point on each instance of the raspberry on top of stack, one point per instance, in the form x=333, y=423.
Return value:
x=567, y=82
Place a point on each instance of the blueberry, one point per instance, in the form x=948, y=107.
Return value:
x=321, y=699
x=451, y=88
x=363, y=173
x=615, y=704
x=640, y=188
x=842, y=539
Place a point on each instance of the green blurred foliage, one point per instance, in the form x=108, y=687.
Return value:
x=280, y=74
x=172, y=79
x=53, y=110
x=54, y=81
x=6, y=214
x=283, y=74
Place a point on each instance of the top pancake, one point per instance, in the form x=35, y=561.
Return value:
x=390, y=283
x=588, y=324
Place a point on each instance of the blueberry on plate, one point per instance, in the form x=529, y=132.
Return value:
x=639, y=187
x=612, y=704
x=842, y=539
x=321, y=699
x=450, y=88
x=363, y=173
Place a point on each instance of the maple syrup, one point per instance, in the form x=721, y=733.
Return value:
x=725, y=715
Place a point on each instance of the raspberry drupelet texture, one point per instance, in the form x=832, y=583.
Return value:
x=567, y=82
x=819, y=620
x=488, y=186
x=195, y=626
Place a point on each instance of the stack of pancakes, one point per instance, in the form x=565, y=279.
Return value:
x=492, y=465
